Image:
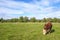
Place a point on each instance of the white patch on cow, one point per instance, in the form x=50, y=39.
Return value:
x=44, y=31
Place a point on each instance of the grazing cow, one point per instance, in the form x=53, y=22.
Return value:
x=47, y=27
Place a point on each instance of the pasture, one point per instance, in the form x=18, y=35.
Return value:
x=27, y=31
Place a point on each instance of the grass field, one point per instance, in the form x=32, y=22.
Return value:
x=27, y=31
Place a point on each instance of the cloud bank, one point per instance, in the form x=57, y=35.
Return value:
x=31, y=8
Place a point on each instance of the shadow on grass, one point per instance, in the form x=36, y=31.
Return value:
x=52, y=31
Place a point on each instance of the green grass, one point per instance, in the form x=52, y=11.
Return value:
x=27, y=31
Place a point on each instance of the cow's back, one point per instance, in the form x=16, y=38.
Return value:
x=48, y=25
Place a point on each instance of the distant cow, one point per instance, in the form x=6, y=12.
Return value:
x=47, y=27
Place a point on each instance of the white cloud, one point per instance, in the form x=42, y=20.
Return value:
x=38, y=8
x=10, y=11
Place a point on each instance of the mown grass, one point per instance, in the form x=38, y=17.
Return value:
x=27, y=31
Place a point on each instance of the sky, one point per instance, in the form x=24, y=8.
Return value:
x=30, y=8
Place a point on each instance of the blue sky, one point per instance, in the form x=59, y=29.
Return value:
x=30, y=8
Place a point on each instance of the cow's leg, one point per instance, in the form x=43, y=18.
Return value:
x=50, y=30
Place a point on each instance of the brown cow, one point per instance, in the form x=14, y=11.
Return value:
x=47, y=27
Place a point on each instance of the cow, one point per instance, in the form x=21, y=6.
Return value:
x=47, y=27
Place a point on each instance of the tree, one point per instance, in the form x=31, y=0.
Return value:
x=25, y=19
x=54, y=20
x=33, y=19
x=38, y=20
x=21, y=19
x=49, y=19
x=58, y=20
x=14, y=20
x=1, y=20
x=44, y=20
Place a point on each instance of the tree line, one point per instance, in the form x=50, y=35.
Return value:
x=26, y=19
